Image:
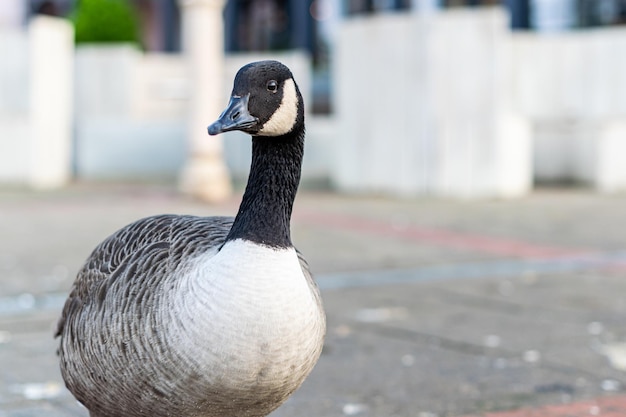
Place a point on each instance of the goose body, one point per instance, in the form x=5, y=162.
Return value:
x=204, y=316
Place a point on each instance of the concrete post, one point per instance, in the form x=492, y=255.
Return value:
x=51, y=63
x=205, y=174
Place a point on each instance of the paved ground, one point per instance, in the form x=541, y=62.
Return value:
x=435, y=308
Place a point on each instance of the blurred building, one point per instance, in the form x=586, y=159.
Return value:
x=309, y=25
x=565, y=94
x=260, y=25
x=544, y=15
x=284, y=24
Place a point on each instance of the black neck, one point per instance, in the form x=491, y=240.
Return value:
x=265, y=211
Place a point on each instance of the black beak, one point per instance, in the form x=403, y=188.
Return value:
x=235, y=117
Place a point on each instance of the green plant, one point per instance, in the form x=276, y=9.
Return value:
x=105, y=21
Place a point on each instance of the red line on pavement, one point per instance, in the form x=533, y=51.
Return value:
x=442, y=237
x=602, y=406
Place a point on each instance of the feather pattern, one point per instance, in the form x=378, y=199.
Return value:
x=141, y=246
x=140, y=272
x=188, y=316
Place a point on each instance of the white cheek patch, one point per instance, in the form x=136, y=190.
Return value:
x=284, y=118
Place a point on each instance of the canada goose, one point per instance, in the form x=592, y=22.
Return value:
x=204, y=316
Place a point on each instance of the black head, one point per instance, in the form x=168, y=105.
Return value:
x=265, y=102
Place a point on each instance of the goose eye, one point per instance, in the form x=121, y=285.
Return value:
x=272, y=86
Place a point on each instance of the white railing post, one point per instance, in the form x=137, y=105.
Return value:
x=51, y=64
x=205, y=174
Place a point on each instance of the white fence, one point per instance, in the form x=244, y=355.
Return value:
x=449, y=103
x=572, y=87
x=36, y=103
x=424, y=106
x=454, y=103
x=131, y=114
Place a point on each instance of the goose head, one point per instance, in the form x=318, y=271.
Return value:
x=265, y=101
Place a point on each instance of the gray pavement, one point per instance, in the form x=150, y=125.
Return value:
x=435, y=307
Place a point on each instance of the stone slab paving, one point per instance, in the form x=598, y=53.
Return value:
x=435, y=307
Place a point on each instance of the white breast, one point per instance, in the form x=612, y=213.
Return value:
x=254, y=314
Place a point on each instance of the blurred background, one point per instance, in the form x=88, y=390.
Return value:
x=463, y=186
x=405, y=97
